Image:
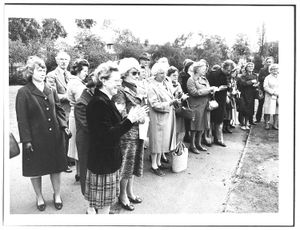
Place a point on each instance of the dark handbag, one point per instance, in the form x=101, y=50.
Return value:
x=212, y=104
x=259, y=94
x=185, y=112
x=14, y=149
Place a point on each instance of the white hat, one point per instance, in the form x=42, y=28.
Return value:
x=126, y=64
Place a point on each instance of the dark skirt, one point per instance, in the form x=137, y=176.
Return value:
x=102, y=190
x=132, y=158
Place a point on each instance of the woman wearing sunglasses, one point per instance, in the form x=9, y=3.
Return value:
x=132, y=147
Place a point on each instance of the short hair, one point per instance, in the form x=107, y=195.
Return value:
x=32, y=63
x=62, y=53
x=172, y=70
x=78, y=66
x=228, y=63
x=145, y=56
x=103, y=71
x=215, y=67
x=267, y=58
x=247, y=64
x=157, y=67
x=273, y=66
x=199, y=64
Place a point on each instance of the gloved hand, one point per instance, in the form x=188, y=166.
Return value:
x=68, y=133
x=28, y=148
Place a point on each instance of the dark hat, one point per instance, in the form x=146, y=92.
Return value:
x=145, y=56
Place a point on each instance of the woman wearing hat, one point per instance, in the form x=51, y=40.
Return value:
x=132, y=147
x=162, y=128
x=42, y=128
x=75, y=87
x=247, y=84
x=200, y=92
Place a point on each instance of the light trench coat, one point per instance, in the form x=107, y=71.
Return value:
x=271, y=105
x=162, y=127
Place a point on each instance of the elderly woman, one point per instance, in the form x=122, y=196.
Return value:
x=106, y=126
x=271, y=104
x=42, y=128
x=132, y=148
x=177, y=93
x=75, y=87
x=162, y=128
x=247, y=84
x=200, y=92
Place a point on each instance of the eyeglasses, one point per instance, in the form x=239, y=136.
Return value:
x=134, y=73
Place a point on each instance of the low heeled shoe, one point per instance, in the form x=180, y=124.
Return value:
x=136, y=200
x=128, y=207
x=57, y=205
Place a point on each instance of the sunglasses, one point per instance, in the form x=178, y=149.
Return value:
x=134, y=73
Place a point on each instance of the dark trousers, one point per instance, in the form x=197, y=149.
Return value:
x=259, y=109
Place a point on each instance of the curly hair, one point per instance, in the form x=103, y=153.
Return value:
x=32, y=63
x=172, y=70
x=103, y=71
x=78, y=66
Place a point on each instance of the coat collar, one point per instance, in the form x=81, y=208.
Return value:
x=112, y=106
x=34, y=90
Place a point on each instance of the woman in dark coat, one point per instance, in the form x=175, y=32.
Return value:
x=219, y=79
x=106, y=126
x=247, y=84
x=42, y=127
x=82, y=135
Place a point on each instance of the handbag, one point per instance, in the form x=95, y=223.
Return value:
x=14, y=149
x=180, y=158
x=185, y=112
x=212, y=104
x=259, y=94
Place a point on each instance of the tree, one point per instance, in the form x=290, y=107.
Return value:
x=23, y=29
x=52, y=29
x=240, y=50
x=85, y=23
x=262, y=40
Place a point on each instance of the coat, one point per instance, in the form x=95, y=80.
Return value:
x=248, y=92
x=58, y=81
x=105, y=127
x=218, y=78
x=41, y=121
x=261, y=77
x=199, y=92
x=271, y=104
x=82, y=134
x=162, y=127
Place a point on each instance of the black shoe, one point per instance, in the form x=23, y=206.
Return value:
x=194, y=150
x=128, y=207
x=68, y=170
x=232, y=126
x=220, y=143
x=77, y=177
x=228, y=130
x=41, y=207
x=136, y=200
x=57, y=205
x=201, y=148
x=252, y=123
x=164, y=166
x=157, y=172
x=164, y=160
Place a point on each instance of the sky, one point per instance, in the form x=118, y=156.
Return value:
x=161, y=24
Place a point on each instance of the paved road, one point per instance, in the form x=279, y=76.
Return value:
x=202, y=188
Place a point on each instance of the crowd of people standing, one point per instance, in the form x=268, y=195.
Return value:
x=105, y=120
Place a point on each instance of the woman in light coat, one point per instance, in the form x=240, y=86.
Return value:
x=162, y=128
x=271, y=105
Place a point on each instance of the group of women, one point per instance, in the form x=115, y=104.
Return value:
x=111, y=116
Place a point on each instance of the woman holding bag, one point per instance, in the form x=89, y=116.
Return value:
x=200, y=92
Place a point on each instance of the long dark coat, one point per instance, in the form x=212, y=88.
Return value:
x=41, y=120
x=248, y=92
x=82, y=133
x=218, y=78
x=106, y=127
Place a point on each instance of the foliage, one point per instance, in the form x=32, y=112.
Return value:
x=52, y=29
x=240, y=50
x=85, y=23
x=23, y=29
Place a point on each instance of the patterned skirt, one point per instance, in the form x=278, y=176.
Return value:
x=132, y=158
x=102, y=190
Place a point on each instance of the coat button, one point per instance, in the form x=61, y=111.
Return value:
x=46, y=98
x=47, y=108
x=50, y=129
x=49, y=119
